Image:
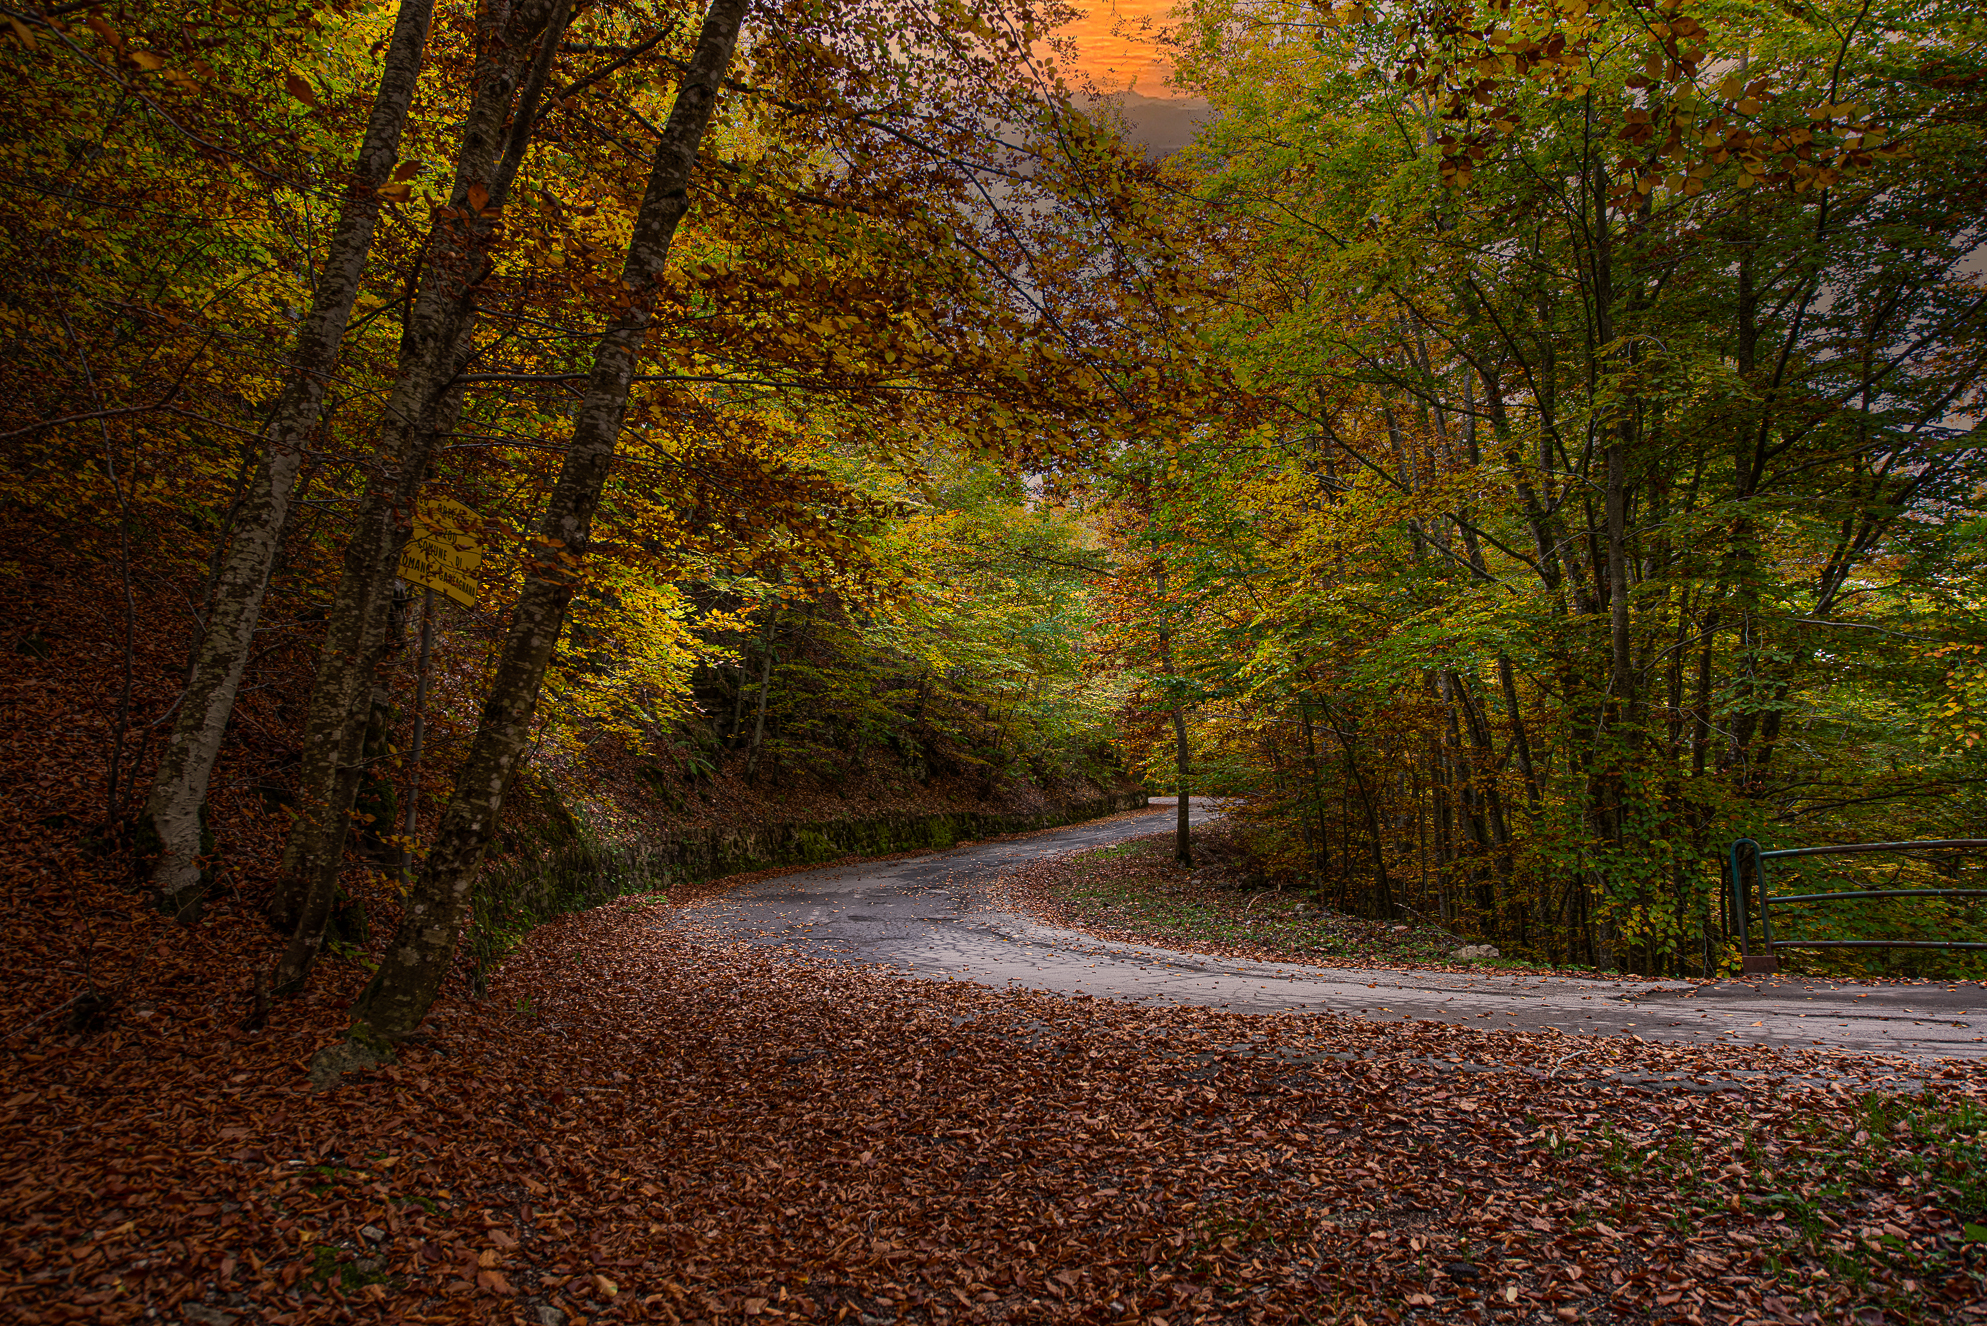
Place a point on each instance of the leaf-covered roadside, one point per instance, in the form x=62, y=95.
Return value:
x=638, y=1128
x=1134, y=892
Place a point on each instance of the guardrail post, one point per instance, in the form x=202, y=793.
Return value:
x=1750, y=963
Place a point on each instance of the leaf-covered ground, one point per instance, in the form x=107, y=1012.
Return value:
x=1135, y=893
x=635, y=1127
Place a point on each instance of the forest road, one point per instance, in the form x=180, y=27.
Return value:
x=932, y=916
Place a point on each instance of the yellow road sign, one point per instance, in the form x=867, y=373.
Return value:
x=444, y=552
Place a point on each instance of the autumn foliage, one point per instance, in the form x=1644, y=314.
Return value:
x=1518, y=448
x=1598, y=482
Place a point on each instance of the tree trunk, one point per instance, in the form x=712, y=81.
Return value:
x=1183, y=847
x=418, y=959
x=765, y=689
x=1520, y=743
x=1621, y=685
x=172, y=826
x=1322, y=861
x=1383, y=894
x=438, y=341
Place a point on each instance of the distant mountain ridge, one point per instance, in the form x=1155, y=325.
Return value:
x=1161, y=125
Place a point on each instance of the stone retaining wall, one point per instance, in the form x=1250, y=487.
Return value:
x=514, y=895
x=800, y=842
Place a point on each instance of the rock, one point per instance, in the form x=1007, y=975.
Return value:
x=372, y=1233
x=1472, y=952
x=1400, y=929
x=203, y=1316
x=329, y=1065
x=550, y=1316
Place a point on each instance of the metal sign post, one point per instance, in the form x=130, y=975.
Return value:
x=420, y=731
x=443, y=555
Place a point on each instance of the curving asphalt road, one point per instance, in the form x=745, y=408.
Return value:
x=931, y=916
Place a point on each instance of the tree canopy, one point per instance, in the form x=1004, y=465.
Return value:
x=1519, y=448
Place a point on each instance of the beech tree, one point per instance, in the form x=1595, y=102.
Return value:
x=1610, y=413
x=516, y=49
x=170, y=835
x=418, y=959
x=805, y=97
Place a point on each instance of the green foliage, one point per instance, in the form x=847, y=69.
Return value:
x=1596, y=488
x=962, y=649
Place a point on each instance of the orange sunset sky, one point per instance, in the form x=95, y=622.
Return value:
x=1115, y=59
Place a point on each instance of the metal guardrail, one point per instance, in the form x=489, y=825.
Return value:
x=1739, y=897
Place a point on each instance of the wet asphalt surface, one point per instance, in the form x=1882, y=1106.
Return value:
x=931, y=916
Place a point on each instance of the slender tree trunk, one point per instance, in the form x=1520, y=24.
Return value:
x=1316, y=809
x=172, y=827
x=1520, y=743
x=1383, y=894
x=740, y=686
x=765, y=689
x=440, y=338
x=1621, y=685
x=418, y=959
x=1700, y=738
x=1183, y=847
x=1444, y=815
x=1469, y=800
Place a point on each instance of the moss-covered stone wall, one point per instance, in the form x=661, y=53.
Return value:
x=513, y=895
x=701, y=856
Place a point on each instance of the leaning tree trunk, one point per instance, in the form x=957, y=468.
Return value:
x=353, y=664
x=418, y=959
x=172, y=827
x=439, y=340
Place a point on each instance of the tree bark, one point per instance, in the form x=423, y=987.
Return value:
x=439, y=339
x=1322, y=862
x=172, y=826
x=417, y=960
x=765, y=689
x=1621, y=685
x=1520, y=741
x=1183, y=847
